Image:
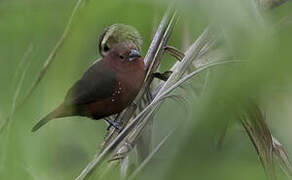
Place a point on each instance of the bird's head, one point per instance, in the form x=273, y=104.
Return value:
x=125, y=53
x=116, y=34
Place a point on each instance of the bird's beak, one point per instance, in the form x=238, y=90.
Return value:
x=134, y=54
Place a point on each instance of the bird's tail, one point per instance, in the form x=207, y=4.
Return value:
x=57, y=113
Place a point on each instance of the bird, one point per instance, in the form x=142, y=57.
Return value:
x=106, y=88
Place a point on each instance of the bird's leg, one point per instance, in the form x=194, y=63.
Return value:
x=174, y=52
x=162, y=76
x=113, y=123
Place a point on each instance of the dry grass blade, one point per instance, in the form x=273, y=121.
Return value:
x=143, y=145
x=52, y=55
x=253, y=121
x=201, y=69
x=266, y=145
x=282, y=157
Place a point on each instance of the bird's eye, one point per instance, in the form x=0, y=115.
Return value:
x=122, y=57
x=105, y=48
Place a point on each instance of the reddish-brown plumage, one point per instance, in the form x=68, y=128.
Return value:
x=129, y=79
x=106, y=88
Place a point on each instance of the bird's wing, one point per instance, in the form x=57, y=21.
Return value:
x=97, y=83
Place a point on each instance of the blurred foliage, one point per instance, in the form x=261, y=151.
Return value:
x=62, y=148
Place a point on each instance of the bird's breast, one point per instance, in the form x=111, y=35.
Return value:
x=127, y=86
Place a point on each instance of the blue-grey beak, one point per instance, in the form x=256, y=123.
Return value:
x=134, y=54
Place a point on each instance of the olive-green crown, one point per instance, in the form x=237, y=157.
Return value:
x=118, y=33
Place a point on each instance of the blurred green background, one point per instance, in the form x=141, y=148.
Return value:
x=61, y=149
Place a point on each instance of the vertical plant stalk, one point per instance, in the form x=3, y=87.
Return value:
x=143, y=146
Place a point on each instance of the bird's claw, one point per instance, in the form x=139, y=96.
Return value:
x=115, y=124
x=162, y=76
x=174, y=52
x=119, y=156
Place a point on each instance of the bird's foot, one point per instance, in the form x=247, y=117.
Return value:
x=113, y=123
x=174, y=52
x=119, y=156
x=123, y=151
x=162, y=76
